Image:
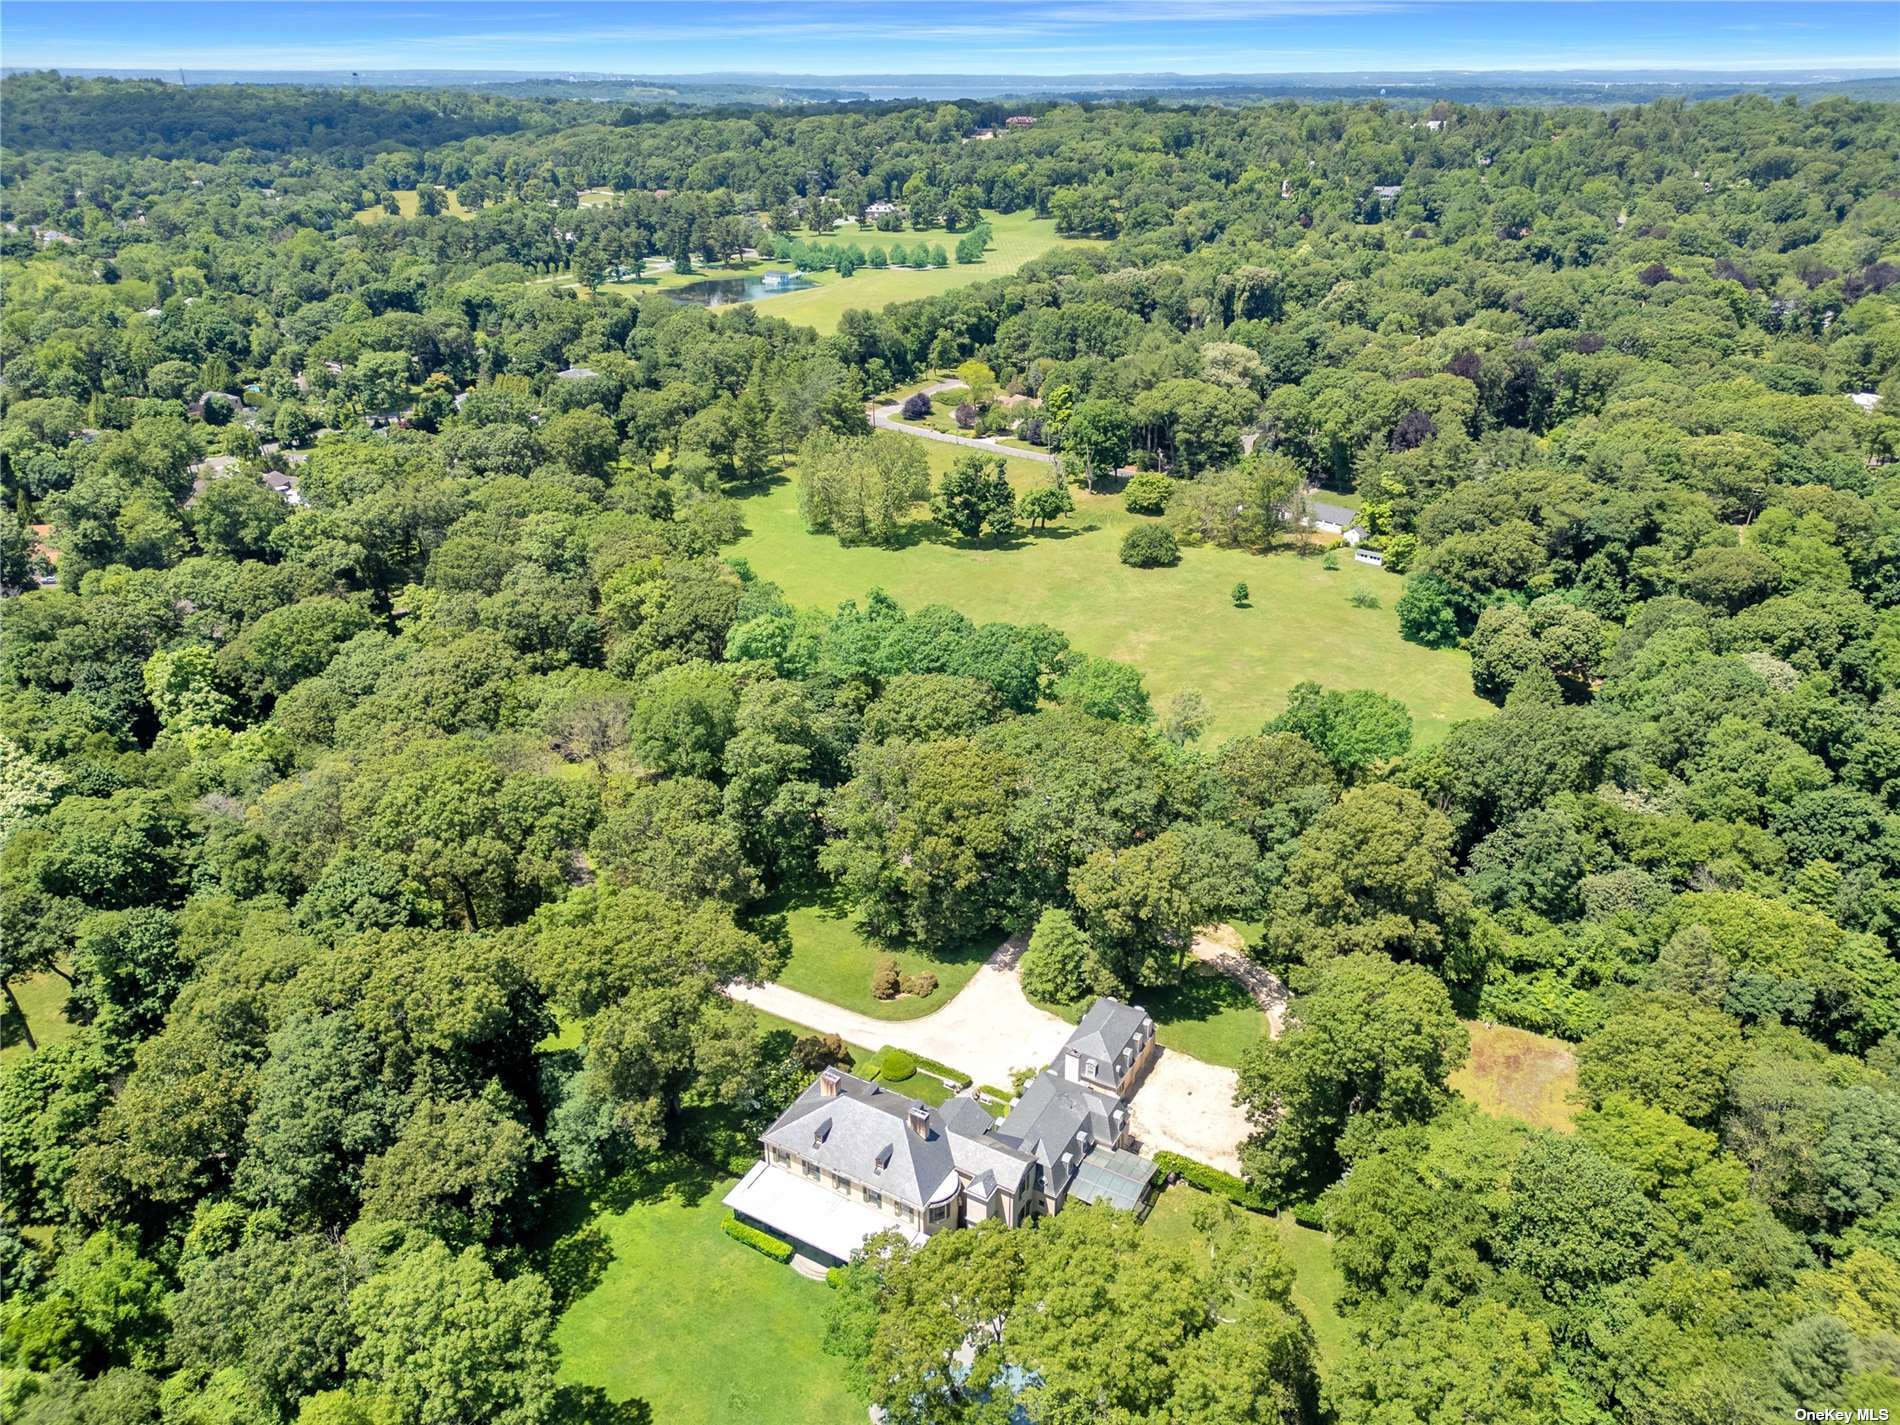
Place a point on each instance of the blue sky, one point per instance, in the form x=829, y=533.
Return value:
x=984, y=37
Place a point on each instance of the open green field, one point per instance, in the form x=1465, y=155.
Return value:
x=410, y=204
x=832, y=959
x=1017, y=238
x=702, y=1329
x=43, y=1000
x=1207, y=1016
x=1514, y=1073
x=1316, y=1281
x=1178, y=626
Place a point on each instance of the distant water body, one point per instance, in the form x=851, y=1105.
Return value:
x=724, y=291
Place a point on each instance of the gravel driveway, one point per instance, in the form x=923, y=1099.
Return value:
x=987, y=1031
x=1181, y=1105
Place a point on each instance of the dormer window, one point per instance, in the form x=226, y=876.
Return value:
x=820, y=1133
x=883, y=1159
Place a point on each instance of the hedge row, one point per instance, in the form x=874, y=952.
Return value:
x=776, y=1248
x=953, y=1077
x=994, y=1094
x=1212, y=1180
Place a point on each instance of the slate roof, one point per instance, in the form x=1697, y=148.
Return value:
x=1107, y=1030
x=866, y=1133
x=1049, y=1115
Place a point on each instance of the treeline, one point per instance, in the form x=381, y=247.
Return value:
x=335, y=811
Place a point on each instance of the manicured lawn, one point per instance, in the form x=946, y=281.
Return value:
x=1316, y=1282
x=832, y=959
x=1207, y=1016
x=1516, y=1074
x=1179, y=625
x=43, y=999
x=702, y=1329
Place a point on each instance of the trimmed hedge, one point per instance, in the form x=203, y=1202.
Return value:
x=894, y=1065
x=1212, y=1180
x=834, y=1277
x=776, y=1248
x=953, y=1077
x=994, y=1094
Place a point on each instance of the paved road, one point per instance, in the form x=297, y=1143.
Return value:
x=885, y=417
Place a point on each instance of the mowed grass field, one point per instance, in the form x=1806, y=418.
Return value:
x=1514, y=1073
x=832, y=959
x=703, y=1330
x=1016, y=239
x=1178, y=626
x=407, y=200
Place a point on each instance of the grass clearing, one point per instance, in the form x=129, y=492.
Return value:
x=1513, y=1073
x=1017, y=238
x=1208, y=1016
x=832, y=959
x=411, y=204
x=43, y=1000
x=1316, y=1281
x=1179, y=625
x=700, y=1328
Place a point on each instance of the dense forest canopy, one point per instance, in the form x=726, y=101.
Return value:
x=397, y=838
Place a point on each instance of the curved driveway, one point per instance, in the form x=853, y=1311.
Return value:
x=885, y=418
x=989, y=1030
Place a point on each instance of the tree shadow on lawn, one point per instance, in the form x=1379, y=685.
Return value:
x=573, y=1253
x=1200, y=994
x=589, y=1405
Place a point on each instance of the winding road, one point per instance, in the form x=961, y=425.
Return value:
x=886, y=418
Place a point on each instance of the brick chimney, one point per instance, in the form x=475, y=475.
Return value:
x=919, y=1120
x=830, y=1082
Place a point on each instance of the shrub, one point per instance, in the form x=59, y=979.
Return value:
x=922, y=984
x=993, y=1093
x=916, y=407
x=776, y=1248
x=834, y=1277
x=1212, y=1180
x=1363, y=599
x=1147, y=493
x=894, y=1065
x=1150, y=546
x=1240, y=596
x=885, y=981
x=814, y=1052
x=965, y=415
x=1331, y=561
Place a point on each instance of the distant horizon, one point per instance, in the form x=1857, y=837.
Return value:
x=1075, y=41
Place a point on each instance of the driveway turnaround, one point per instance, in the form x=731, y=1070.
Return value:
x=1187, y=1106
x=988, y=1031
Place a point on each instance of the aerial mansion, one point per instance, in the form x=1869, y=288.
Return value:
x=850, y=1159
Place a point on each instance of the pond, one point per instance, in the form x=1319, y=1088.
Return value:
x=724, y=291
